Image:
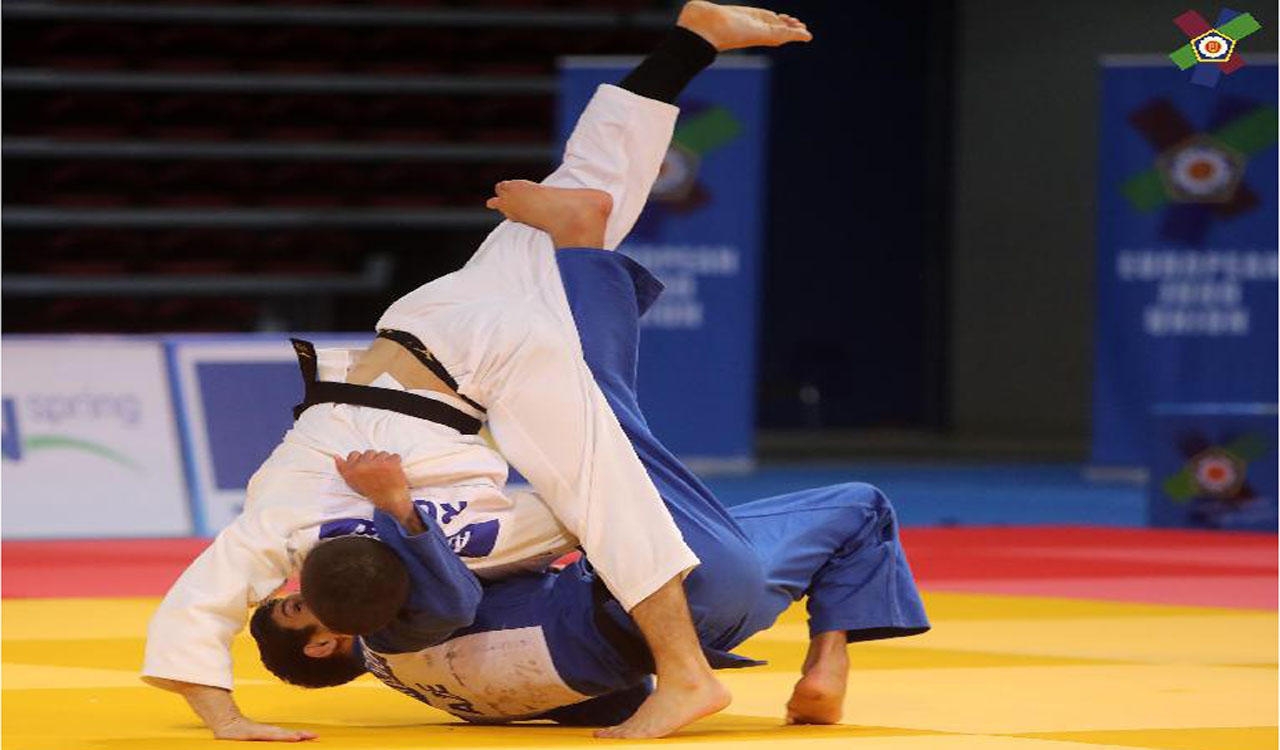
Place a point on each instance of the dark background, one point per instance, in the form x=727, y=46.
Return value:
x=928, y=275
x=936, y=271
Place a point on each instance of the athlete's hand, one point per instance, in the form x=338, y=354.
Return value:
x=243, y=728
x=379, y=477
x=218, y=710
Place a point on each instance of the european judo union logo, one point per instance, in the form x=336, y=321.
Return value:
x=1198, y=173
x=1212, y=49
x=1214, y=480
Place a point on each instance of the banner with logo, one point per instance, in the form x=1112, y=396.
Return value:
x=1214, y=466
x=237, y=395
x=89, y=444
x=701, y=234
x=1186, y=252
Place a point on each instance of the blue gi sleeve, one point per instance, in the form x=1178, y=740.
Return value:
x=443, y=593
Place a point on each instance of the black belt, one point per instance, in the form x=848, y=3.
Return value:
x=419, y=350
x=318, y=391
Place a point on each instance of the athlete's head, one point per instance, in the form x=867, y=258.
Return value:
x=354, y=584
x=299, y=649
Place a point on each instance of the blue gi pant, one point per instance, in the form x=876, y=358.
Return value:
x=839, y=544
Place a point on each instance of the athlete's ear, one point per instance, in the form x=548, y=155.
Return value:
x=321, y=646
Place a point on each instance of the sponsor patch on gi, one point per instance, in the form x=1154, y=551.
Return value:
x=471, y=540
x=348, y=527
x=475, y=540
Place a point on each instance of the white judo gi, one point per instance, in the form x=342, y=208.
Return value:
x=501, y=326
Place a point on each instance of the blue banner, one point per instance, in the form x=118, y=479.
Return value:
x=1186, y=253
x=235, y=396
x=701, y=234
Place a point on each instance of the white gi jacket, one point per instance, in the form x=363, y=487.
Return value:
x=502, y=328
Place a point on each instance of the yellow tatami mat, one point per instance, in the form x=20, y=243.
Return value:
x=996, y=673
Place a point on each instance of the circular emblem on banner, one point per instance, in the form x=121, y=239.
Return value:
x=1201, y=170
x=1213, y=46
x=677, y=176
x=1218, y=473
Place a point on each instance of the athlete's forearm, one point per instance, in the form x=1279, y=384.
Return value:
x=219, y=712
x=215, y=706
x=189, y=637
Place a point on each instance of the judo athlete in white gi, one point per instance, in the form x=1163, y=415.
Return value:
x=496, y=335
x=556, y=645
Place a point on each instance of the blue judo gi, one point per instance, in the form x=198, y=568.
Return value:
x=583, y=659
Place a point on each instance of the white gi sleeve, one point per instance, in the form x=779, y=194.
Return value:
x=189, y=639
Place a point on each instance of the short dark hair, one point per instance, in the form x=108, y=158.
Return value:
x=354, y=584
x=281, y=651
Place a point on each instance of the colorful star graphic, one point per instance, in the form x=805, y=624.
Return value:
x=1212, y=49
x=1215, y=477
x=1199, y=176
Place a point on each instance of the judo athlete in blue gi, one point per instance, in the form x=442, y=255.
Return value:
x=557, y=645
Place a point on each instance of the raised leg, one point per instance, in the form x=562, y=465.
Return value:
x=686, y=689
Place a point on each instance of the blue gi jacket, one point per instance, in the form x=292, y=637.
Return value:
x=589, y=640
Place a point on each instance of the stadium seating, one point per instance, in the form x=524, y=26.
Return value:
x=161, y=144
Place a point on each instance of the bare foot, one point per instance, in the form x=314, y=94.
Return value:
x=574, y=217
x=729, y=27
x=818, y=697
x=669, y=708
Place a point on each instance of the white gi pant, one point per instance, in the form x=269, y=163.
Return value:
x=502, y=328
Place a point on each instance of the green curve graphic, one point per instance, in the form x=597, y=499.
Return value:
x=48, y=442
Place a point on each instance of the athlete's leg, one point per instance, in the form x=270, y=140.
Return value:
x=818, y=697
x=546, y=414
x=603, y=296
x=606, y=294
x=502, y=328
x=839, y=545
